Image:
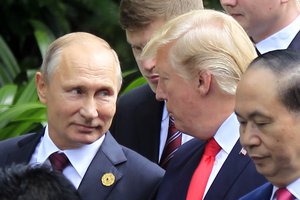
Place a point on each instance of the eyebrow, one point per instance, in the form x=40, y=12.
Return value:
x=252, y=115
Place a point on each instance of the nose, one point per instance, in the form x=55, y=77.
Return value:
x=89, y=110
x=148, y=64
x=249, y=137
x=160, y=94
x=225, y=3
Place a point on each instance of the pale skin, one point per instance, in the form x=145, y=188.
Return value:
x=188, y=100
x=138, y=39
x=262, y=18
x=268, y=131
x=81, y=95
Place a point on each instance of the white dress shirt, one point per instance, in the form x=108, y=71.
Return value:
x=226, y=136
x=80, y=158
x=293, y=188
x=280, y=40
x=164, y=132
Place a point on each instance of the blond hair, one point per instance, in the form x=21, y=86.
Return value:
x=205, y=40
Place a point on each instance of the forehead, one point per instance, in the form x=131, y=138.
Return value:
x=257, y=88
x=88, y=62
x=142, y=35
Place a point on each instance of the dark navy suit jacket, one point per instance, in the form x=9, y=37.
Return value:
x=137, y=122
x=236, y=178
x=136, y=177
x=295, y=44
x=262, y=193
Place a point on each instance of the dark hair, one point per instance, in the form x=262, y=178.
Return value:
x=26, y=182
x=138, y=14
x=285, y=65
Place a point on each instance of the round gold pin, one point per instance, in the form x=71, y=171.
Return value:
x=108, y=179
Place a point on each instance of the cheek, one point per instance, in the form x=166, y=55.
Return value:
x=106, y=110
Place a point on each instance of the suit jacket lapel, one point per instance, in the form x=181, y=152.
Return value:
x=229, y=172
x=24, y=149
x=194, y=157
x=295, y=44
x=109, y=155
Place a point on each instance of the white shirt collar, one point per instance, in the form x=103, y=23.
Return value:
x=292, y=188
x=281, y=39
x=228, y=133
x=79, y=158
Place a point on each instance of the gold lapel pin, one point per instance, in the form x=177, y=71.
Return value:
x=108, y=179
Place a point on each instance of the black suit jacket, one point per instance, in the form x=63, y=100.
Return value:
x=137, y=122
x=295, y=44
x=236, y=178
x=136, y=177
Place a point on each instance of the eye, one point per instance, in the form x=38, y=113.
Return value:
x=137, y=49
x=242, y=121
x=104, y=93
x=76, y=91
x=261, y=123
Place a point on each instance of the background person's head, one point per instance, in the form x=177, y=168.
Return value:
x=140, y=19
x=262, y=18
x=268, y=108
x=79, y=83
x=200, y=57
x=26, y=182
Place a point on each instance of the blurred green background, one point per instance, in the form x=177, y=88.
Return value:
x=26, y=29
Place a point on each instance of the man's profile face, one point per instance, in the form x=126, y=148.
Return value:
x=268, y=131
x=80, y=96
x=138, y=39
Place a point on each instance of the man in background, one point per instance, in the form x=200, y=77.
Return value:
x=271, y=24
x=141, y=122
x=268, y=109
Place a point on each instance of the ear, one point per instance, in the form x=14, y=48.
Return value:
x=41, y=87
x=204, y=82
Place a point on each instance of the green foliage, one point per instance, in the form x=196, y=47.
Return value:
x=30, y=26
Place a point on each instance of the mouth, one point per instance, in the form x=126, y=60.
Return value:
x=86, y=128
x=258, y=158
x=235, y=15
x=153, y=79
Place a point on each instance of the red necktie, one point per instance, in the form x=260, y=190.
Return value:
x=172, y=144
x=284, y=194
x=202, y=173
x=59, y=161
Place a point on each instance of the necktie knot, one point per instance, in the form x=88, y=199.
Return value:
x=59, y=161
x=284, y=194
x=212, y=148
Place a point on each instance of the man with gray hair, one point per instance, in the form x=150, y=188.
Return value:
x=79, y=83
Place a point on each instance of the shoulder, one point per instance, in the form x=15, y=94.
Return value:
x=141, y=165
x=261, y=193
x=12, y=142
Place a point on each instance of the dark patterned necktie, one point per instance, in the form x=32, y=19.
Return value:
x=59, y=161
x=172, y=144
